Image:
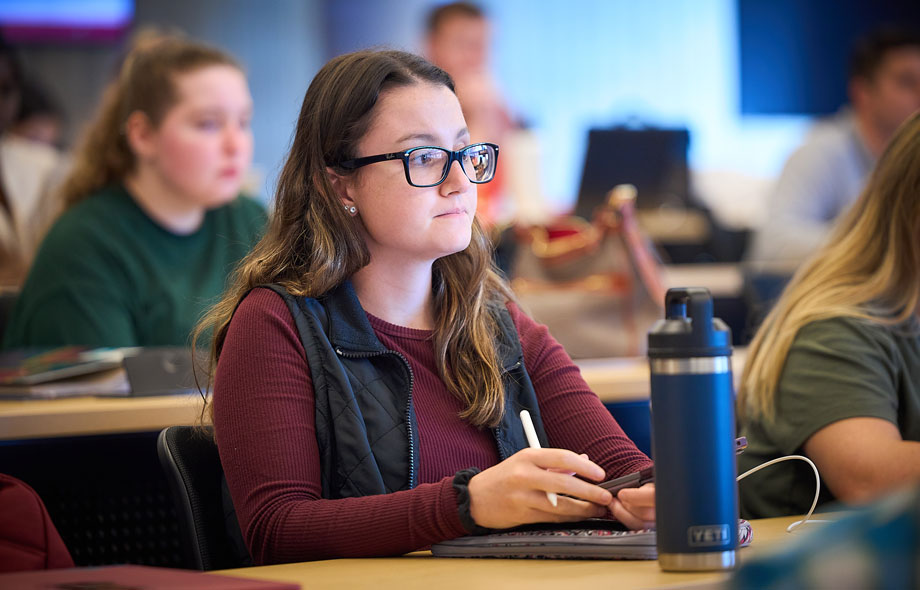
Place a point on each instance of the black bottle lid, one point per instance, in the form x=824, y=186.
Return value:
x=688, y=329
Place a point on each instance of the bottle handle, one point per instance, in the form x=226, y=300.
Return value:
x=689, y=303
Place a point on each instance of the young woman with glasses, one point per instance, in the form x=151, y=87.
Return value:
x=370, y=366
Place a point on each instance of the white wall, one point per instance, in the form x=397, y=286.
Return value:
x=571, y=66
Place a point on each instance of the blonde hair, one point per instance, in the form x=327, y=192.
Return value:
x=146, y=84
x=869, y=269
x=312, y=245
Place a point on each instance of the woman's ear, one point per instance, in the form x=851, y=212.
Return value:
x=341, y=186
x=141, y=135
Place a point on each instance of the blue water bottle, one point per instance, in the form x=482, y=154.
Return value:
x=693, y=435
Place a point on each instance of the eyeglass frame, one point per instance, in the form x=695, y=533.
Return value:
x=356, y=163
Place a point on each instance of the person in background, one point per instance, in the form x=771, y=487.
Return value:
x=27, y=170
x=457, y=40
x=826, y=174
x=370, y=365
x=39, y=118
x=154, y=222
x=834, y=371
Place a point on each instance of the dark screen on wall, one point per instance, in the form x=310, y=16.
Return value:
x=794, y=53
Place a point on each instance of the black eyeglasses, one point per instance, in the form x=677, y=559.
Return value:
x=429, y=166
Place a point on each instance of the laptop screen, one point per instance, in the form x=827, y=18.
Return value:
x=163, y=371
x=654, y=160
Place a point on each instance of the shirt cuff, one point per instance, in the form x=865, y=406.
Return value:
x=461, y=486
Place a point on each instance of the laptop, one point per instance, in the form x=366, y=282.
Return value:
x=166, y=370
x=652, y=159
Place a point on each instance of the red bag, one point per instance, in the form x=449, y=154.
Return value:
x=596, y=286
x=28, y=539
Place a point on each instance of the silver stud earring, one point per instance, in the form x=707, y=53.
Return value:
x=351, y=210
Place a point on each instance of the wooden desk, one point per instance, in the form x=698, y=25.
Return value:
x=674, y=225
x=722, y=279
x=627, y=379
x=81, y=416
x=613, y=379
x=421, y=570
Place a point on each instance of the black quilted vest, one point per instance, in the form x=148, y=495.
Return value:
x=365, y=422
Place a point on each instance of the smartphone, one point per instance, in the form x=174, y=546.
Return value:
x=640, y=478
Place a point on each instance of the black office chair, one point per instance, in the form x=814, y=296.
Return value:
x=192, y=466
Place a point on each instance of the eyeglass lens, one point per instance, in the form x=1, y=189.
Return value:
x=428, y=165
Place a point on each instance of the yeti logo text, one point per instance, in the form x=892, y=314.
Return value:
x=708, y=535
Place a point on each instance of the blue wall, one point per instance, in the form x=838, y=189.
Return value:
x=794, y=57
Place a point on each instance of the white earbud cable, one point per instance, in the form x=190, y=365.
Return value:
x=814, y=503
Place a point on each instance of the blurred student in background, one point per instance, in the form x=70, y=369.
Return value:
x=457, y=40
x=834, y=371
x=26, y=172
x=826, y=174
x=370, y=363
x=39, y=118
x=154, y=221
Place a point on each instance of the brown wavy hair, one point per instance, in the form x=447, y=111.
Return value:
x=312, y=245
x=146, y=84
x=869, y=269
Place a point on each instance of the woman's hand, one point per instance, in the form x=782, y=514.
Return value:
x=514, y=491
x=635, y=507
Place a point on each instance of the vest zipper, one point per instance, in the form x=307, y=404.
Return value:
x=356, y=355
x=501, y=449
x=495, y=431
x=511, y=368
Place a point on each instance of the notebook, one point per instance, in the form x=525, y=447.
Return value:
x=590, y=539
x=110, y=383
x=74, y=371
x=132, y=577
x=42, y=365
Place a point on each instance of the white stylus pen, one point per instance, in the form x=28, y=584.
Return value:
x=534, y=443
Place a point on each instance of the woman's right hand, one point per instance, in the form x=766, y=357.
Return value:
x=513, y=492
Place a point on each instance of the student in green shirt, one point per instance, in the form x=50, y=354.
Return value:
x=154, y=222
x=834, y=371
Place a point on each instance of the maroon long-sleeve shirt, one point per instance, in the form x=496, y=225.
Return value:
x=264, y=423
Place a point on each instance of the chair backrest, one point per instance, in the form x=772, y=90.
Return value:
x=190, y=460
